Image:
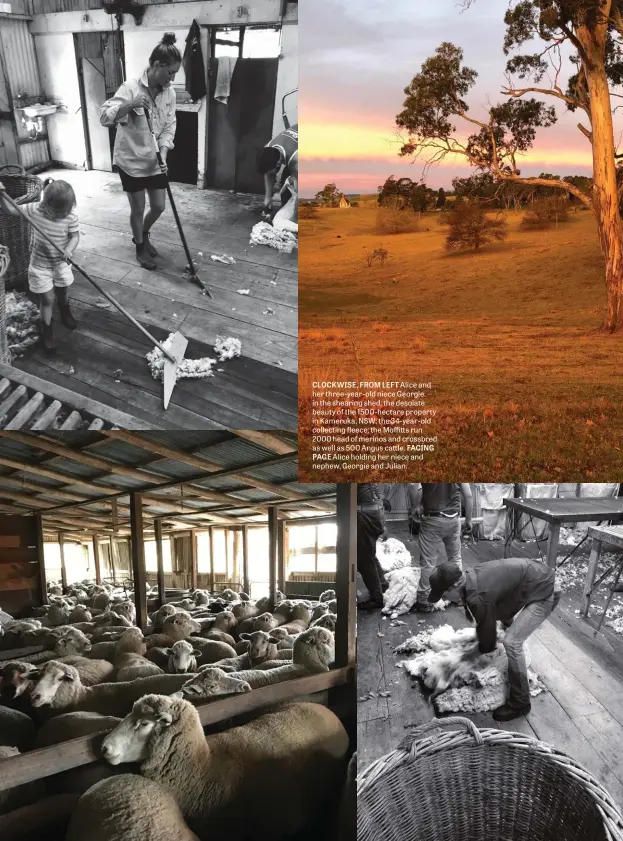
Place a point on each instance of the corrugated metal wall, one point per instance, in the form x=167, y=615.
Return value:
x=22, y=76
x=20, y=58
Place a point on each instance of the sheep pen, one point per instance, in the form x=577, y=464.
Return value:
x=97, y=665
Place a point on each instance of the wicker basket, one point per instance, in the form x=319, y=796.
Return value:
x=467, y=784
x=15, y=231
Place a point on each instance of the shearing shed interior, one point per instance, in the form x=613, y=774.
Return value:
x=177, y=639
x=414, y=669
x=219, y=267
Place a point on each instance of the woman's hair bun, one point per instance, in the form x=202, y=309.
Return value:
x=169, y=38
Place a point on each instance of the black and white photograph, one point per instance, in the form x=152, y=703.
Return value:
x=490, y=661
x=148, y=214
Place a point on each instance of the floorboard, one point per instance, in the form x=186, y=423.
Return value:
x=104, y=357
x=581, y=713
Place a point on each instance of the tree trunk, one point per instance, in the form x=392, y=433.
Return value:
x=605, y=195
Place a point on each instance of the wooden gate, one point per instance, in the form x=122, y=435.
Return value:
x=237, y=131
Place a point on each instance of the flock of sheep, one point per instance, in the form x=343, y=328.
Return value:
x=99, y=672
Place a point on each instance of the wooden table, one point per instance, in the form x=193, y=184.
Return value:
x=611, y=536
x=559, y=511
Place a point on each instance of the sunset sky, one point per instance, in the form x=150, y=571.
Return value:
x=357, y=56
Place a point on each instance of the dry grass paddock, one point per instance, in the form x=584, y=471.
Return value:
x=525, y=382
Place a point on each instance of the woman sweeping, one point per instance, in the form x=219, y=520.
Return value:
x=134, y=153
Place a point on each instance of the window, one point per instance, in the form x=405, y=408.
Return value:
x=246, y=42
x=312, y=548
x=77, y=564
x=151, y=556
x=221, y=543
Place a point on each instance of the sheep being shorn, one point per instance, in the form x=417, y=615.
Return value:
x=128, y=808
x=224, y=782
x=460, y=678
x=59, y=687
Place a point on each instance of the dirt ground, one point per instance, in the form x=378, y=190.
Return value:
x=525, y=383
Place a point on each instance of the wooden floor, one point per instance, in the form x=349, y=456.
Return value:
x=581, y=713
x=104, y=359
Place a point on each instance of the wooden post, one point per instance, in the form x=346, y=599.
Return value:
x=281, y=558
x=160, y=561
x=212, y=560
x=96, y=558
x=113, y=541
x=193, y=559
x=552, y=546
x=591, y=573
x=138, y=559
x=246, y=586
x=345, y=578
x=61, y=543
x=236, y=565
x=43, y=579
x=273, y=540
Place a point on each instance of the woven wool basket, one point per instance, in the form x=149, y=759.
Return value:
x=15, y=231
x=450, y=781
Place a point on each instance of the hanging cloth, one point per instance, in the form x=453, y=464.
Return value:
x=193, y=64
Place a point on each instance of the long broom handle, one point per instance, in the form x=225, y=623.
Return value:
x=103, y=292
x=170, y=194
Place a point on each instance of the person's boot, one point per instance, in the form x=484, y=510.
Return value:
x=143, y=257
x=47, y=337
x=507, y=712
x=370, y=604
x=67, y=318
x=149, y=248
x=423, y=607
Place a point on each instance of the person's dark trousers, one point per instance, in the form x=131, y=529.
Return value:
x=369, y=529
x=286, y=195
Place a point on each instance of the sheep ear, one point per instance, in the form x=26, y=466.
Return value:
x=197, y=653
x=274, y=640
x=166, y=719
x=68, y=677
x=167, y=651
x=245, y=636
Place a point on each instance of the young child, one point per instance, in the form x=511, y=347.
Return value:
x=49, y=273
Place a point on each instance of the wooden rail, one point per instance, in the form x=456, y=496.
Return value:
x=46, y=762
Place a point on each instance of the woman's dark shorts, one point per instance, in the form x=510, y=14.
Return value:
x=131, y=184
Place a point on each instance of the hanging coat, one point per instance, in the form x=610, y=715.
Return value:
x=193, y=64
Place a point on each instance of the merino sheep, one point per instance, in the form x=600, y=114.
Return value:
x=314, y=651
x=126, y=610
x=59, y=687
x=298, y=750
x=17, y=676
x=80, y=613
x=128, y=808
x=220, y=636
x=90, y=671
x=24, y=795
x=72, y=642
x=260, y=646
x=299, y=619
x=224, y=621
x=229, y=595
x=319, y=610
x=182, y=658
x=101, y=601
x=161, y=614
x=327, y=596
x=245, y=610
x=264, y=622
x=329, y=620
x=16, y=729
x=129, y=660
x=67, y=726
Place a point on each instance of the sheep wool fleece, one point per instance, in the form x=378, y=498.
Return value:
x=224, y=783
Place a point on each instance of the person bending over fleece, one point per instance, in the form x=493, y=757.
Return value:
x=49, y=272
x=519, y=592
